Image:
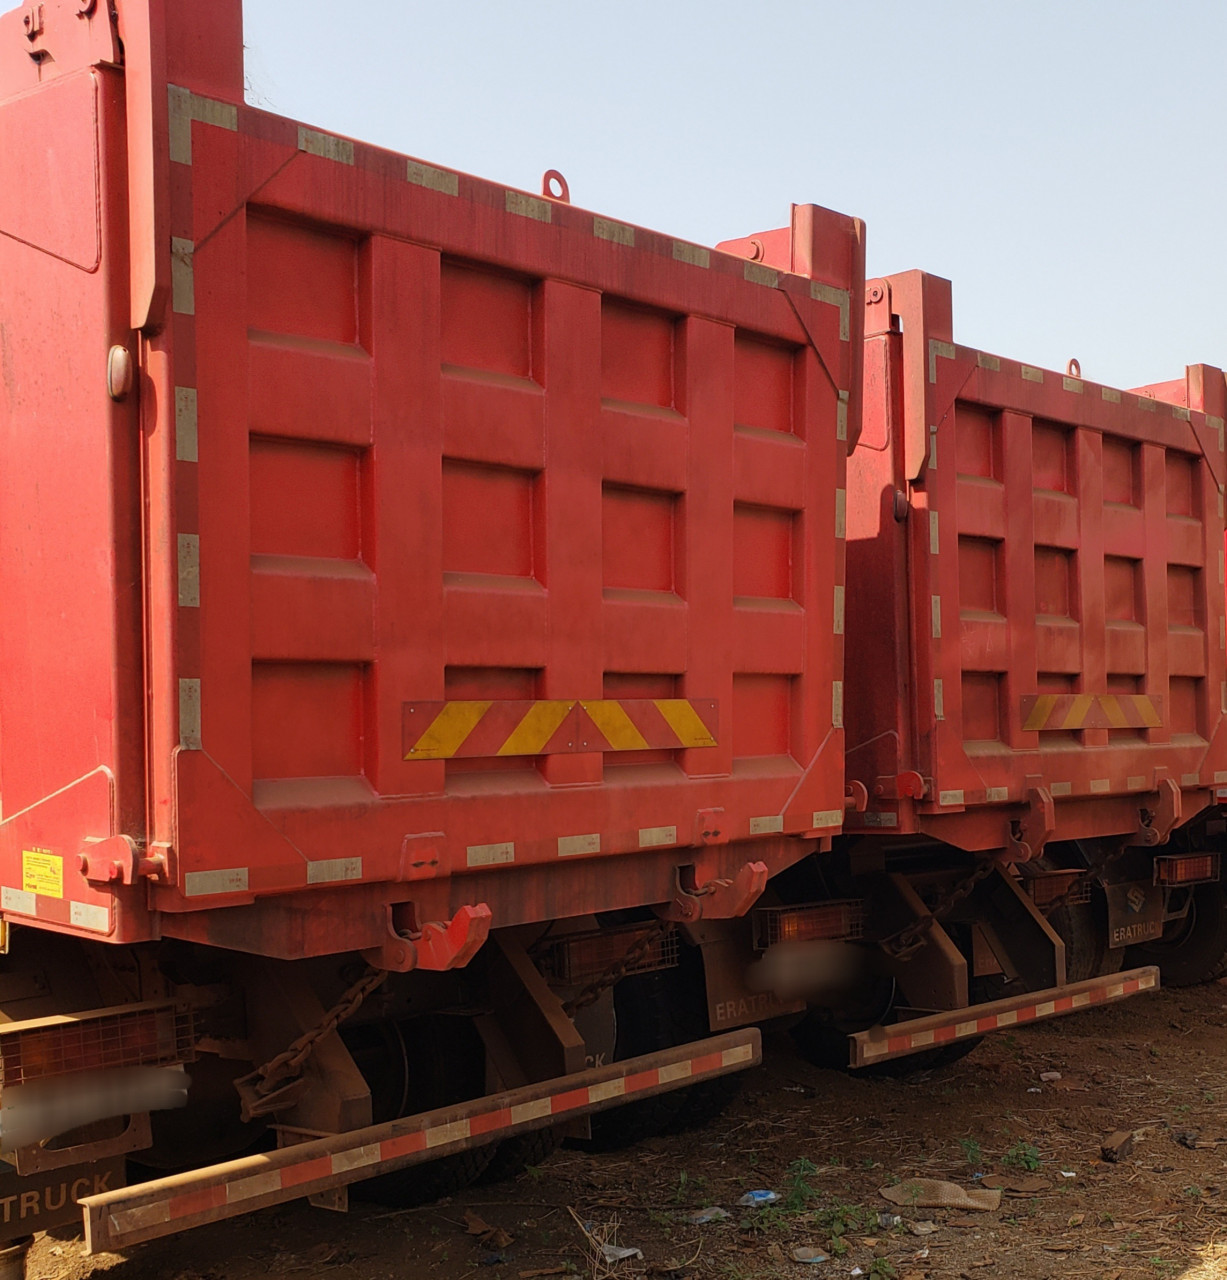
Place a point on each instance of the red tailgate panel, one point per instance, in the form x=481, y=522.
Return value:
x=1051, y=589
x=507, y=543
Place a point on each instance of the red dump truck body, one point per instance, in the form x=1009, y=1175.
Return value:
x=1038, y=560
x=490, y=547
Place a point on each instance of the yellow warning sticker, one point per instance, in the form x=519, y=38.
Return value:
x=42, y=872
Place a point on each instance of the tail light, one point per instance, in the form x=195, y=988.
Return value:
x=131, y=1036
x=1186, y=868
x=842, y=920
x=581, y=957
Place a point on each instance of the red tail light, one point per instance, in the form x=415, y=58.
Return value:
x=809, y=922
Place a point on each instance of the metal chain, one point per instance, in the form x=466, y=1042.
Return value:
x=618, y=970
x=289, y=1063
x=912, y=936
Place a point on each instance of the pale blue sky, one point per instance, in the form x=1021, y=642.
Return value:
x=1062, y=163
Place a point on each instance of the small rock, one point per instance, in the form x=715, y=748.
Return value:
x=1117, y=1145
x=1049, y=1076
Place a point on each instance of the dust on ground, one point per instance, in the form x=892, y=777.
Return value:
x=827, y=1144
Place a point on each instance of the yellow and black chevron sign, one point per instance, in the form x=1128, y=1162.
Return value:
x=1092, y=711
x=507, y=727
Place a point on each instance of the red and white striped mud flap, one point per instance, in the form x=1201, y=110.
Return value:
x=116, y=1219
x=896, y=1041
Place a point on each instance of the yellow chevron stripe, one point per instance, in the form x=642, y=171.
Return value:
x=1038, y=718
x=448, y=731
x=684, y=720
x=1112, y=709
x=1077, y=713
x=538, y=725
x=615, y=724
x=1146, y=709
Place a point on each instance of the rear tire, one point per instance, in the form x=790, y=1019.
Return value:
x=1194, y=949
x=448, y=1065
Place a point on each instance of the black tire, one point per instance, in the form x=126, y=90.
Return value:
x=646, y=1022
x=447, y=1065
x=513, y=1155
x=1083, y=927
x=1194, y=949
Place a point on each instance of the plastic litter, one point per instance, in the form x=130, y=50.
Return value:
x=803, y=1253
x=756, y=1199
x=619, y=1253
x=925, y=1228
x=700, y=1217
x=1068, y=1173
x=1049, y=1076
x=1035, y=1089
x=888, y=1221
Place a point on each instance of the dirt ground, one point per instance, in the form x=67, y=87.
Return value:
x=827, y=1143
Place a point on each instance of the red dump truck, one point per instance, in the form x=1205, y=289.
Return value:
x=424, y=720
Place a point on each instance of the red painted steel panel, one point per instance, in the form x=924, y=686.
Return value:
x=1038, y=559
x=409, y=438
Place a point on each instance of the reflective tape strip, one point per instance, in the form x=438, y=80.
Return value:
x=1100, y=785
x=490, y=855
x=185, y=424
x=841, y=417
x=1189, y=779
x=1070, y=711
x=1062, y=789
x=828, y=818
x=693, y=254
x=18, y=900
x=199, y=884
x=89, y=915
x=424, y=175
x=652, y=837
x=182, y=277
x=189, y=714
x=1031, y=374
x=934, y=537
x=996, y=795
x=510, y=727
x=943, y=349
x=325, y=145
x=1220, y=776
x=1135, y=783
x=841, y=513
x=1072, y=384
x=1179, y=411
x=838, y=615
x=985, y=361
x=932, y=448
x=571, y=846
x=954, y=797
x=837, y=704
x=937, y=617
x=1110, y=394
x=834, y=297
x=939, y=701
x=615, y=232
x=332, y=870
x=189, y=570
x=186, y=106
x=772, y=823
x=1147, y=403
x=526, y=206
x=756, y=273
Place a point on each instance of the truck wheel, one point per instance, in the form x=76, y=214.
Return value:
x=1194, y=949
x=646, y=1022
x=513, y=1155
x=1083, y=927
x=444, y=1063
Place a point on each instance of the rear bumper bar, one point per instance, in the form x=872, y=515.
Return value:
x=879, y=1044
x=117, y=1219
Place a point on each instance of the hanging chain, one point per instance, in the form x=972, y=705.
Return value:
x=912, y=936
x=289, y=1064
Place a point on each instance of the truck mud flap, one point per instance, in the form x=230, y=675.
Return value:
x=879, y=1044
x=114, y=1220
